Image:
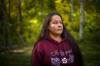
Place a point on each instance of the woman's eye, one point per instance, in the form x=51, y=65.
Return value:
x=56, y=22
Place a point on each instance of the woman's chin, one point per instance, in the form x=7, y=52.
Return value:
x=59, y=33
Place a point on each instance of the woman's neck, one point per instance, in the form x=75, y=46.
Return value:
x=56, y=37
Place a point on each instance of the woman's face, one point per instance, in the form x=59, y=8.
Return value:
x=55, y=26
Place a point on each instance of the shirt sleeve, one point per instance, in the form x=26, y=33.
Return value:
x=37, y=56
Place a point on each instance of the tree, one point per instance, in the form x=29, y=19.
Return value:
x=19, y=10
x=72, y=10
x=3, y=24
x=81, y=20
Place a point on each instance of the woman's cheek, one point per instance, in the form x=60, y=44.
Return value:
x=53, y=27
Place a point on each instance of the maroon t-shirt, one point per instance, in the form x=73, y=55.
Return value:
x=49, y=52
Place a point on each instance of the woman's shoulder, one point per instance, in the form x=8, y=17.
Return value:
x=40, y=43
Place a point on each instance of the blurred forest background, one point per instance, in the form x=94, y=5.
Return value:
x=21, y=21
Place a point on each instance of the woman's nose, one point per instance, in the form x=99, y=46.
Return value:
x=59, y=25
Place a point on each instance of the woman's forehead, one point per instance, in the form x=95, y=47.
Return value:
x=56, y=17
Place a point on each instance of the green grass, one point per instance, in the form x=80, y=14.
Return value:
x=22, y=56
x=91, y=53
x=17, y=57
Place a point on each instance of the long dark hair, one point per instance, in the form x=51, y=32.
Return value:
x=65, y=34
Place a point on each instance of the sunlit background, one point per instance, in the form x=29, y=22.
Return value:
x=21, y=22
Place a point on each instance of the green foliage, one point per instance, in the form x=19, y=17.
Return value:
x=34, y=12
x=14, y=31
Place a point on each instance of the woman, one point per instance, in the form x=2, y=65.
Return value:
x=55, y=46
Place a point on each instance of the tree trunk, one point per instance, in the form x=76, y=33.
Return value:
x=9, y=12
x=41, y=7
x=20, y=32
x=9, y=21
x=3, y=23
x=81, y=19
x=71, y=16
x=19, y=11
x=72, y=10
x=2, y=15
